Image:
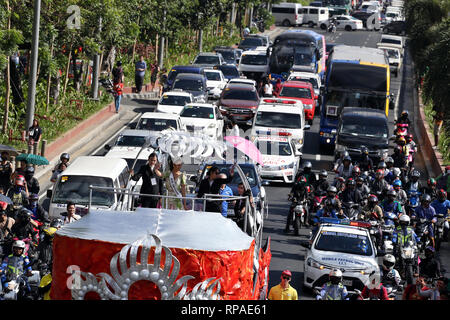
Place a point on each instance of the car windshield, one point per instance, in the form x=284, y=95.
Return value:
x=344, y=242
x=392, y=53
x=188, y=84
x=295, y=92
x=391, y=14
x=174, y=100
x=213, y=76
x=278, y=120
x=253, y=42
x=253, y=59
x=228, y=55
x=157, y=124
x=130, y=141
x=230, y=71
x=249, y=172
x=197, y=112
x=274, y=148
x=207, y=60
x=76, y=189
x=393, y=41
x=240, y=95
x=369, y=128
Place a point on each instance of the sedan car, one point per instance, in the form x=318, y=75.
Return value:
x=215, y=83
x=174, y=101
x=395, y=27
x=280, y=158
x=208, y=59
x=202, y=118
x=344, y=245
x=239, y=101
x=251, y=42
x=345, y=22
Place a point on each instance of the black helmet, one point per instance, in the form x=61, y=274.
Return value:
x=65, y=155
x=426, y=198
x=364, y=150
x=24, y=214
x=29, y=170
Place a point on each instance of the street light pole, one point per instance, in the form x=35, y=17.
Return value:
x=33, y=68
x=96, y=71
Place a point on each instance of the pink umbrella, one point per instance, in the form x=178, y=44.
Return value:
x=246, y=146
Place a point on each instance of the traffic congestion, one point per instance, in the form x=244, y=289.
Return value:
x=289, y=157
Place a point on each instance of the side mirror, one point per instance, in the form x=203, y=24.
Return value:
x=305, y=244
x=297, y=153
x=249, y=122
x=49, y=193
x=306, y=127
x=107, y=147
x=193, y=179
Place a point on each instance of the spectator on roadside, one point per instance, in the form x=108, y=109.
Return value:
x=154, y=69
x=162, y=80
x=70, y=216
x=225, y=191
x=117, y=73
x=140, y=68
x=34, y=133
x=118, y=90
x=283, y=291
x=438, y=121
x=268, y=88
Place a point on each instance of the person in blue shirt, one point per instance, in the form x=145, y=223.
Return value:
x=425, y=210
x=441, y=206
x=404, y=233
x=16, y=263
x=226, y=191
x=390, y=205
x=141, y=66
x=327, y=211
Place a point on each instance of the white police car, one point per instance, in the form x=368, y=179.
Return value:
x=344, y=245
x=280, y=158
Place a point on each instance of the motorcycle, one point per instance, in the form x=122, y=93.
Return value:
x=332, y=27
x=317, y=201
x=407, y=258
x=22, y=287
x=375, y=231
x=351, y=210
x=401, y=129
x=387, y=231
x=439, y=230
x=299, y=216
x=422, y=231
x=412, y=202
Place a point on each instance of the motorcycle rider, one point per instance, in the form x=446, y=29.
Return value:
x=362, y=187
x=413, y=183
x=379, y=186
x=383, y=167
x=430, y=189
x=443, y=180
x=365, y=164
x=63, y=158
x=16, y=263
x=403, y=118
x=430, y=267
x=39, y=215
x=400, y=159
x=425, y=210
x=401, y=197
x=389, y=276
x=327, y=211
x=442, y=206
x=356, y=172
x=346, y=168
x=404, y=233
x=340, y=160
x=374, y=289
x=5, y=171
x=308, y=174
x=18, y=193
x=23, y=228
x=334, y=289
x=332, y=194
x=299, y=191
x=350, y=194
x=32, y=182
x=372, y=211
x=389, y=204
x=322, y=184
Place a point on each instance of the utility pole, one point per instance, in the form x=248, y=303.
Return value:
x=162, y=39
x=33, y=68
x=96, y=71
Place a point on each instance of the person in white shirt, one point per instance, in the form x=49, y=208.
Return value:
x=268, y=89
x=70, y=215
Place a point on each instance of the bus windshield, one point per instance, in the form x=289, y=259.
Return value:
x=356, y=99
x=288, y=52
x=358, y=76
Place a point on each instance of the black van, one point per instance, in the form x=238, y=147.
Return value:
x=360, y=127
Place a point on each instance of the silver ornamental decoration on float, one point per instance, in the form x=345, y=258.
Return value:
x=178, y=144
x=121, y=280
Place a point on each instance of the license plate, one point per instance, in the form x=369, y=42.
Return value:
x=347, y=282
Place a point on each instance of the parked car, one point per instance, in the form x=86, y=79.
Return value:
x=395, y=27
x=208, y=59
x=345, y=22
x=215, y=83
x=239, y=102
x=303, y=91
x=174, y=101
x=193, y=83
x=202, y=118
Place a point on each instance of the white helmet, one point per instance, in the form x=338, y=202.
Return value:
x=404, y=220
x=389, y=261
x=18, y=244
x=335, y=273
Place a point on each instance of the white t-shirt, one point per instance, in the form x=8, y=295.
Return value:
x=268, y=88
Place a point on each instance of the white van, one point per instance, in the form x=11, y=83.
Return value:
x=158, y=121
x=391, y=41
x=287, y=14
x=280, y=117
x=312, y=15
x=254, y=64
x=73, y=185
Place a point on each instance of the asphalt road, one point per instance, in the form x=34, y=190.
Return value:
x=287, y=253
